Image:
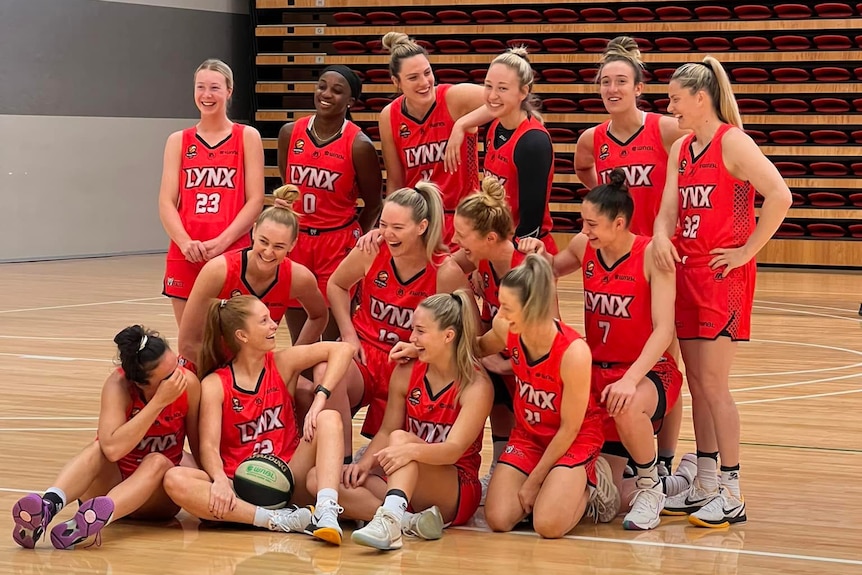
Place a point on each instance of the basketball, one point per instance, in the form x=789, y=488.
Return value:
x=264, y=480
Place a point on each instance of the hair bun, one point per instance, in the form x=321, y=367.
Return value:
x=392, y=40
x=289, y=193
x=618, y=179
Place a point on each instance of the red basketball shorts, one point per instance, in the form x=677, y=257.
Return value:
x=375, y=375
x=709, y=306
x=180, y=276
x=321, y=251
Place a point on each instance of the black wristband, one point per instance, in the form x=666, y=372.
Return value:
x=323, y=390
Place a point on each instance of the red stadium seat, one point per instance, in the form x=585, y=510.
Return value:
x=564, y=166
x=561, y=194
x=831, y=74
x=451, y=46
x=478, y=76
x=451, y=75
x=673, y=13
x=749, y=75
x=664, y=74
x=673, y=44
x=858, y=72
x=593, y=44
x=857, y=136
x=560, y=45
x=348, y=47
x=855, y=229
x=417, y=17
x=829, y=137
x=592, y=105
x=375, y=47
x=789, y=230
x=358, y=106
x=826, y=230
x=752, y=106
x=856, y=200
x=453, y=17
x=349, y=19
x=791, y=169
x=857, y=168
x=559, y=105
x=562, y=135
x=791, y=74
x=488, y=16
x=826, y=200
x=797, y=199
x=752, y=12
x=559, y=76
x=829, y=169
x=531, y=45
x=589, y=74
x=791, y=43
x=378, y=76
x=833, y=10
x=645, y=105
x=788, y=137
x=373, y=132
x=793, y=11
x=429, y=47
x=524, y=16
x=712, y=44
x=790, y=106
x=832, y=42
x=758, y=136
x=383, y=18
x=598, y=15
x=560, y=15
x=636, y=14
x=487, y=46
x=857, y=104
x=377, y=104
x=563, y=224
x=661, y=105
x=644, y=44
x=830, y=105
x=752, y=43
x=713, y=13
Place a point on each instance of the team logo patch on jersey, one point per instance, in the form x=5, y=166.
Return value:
x=235, y=293
x=415, y=396
x=590, y=269
x=299, y=146
x=682, y=165
x=174, y=282
x=604, y=152
x=404, y=131
x=382, y=279
x=237, y=406
x=516, y=355
x=486, y=281
x=191, y=151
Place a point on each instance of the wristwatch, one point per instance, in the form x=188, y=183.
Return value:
x=323, y=390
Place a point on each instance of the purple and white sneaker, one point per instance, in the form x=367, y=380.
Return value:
x=91, y=517
x=31, y=516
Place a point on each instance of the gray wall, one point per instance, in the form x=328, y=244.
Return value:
x=89, y=92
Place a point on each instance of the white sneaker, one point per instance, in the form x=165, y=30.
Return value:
x=604, y=501
x=722, y=511
x=426, y=525
x=680, y=481
x=689, y=500
x=646, y=509
x=383, y=532
x=291, y=519
x=324, y=525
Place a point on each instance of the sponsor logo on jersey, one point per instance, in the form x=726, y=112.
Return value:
x=425, y=154
x=335, y=155
x=682, y=166
x=382, y=279
x=298, y=146
x=613, y=305
x=173, y=282
x=191, y=151
x=604, y=152
x=403, y=130
x=516, y=355
x=589, y=271
x=237, y=406
x=624, y=278
x=415, y=396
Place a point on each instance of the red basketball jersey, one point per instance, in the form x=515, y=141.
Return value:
x=421, y=145
x=259, y=421
x=716, y=210
x=500, y=163
x=644, y=160
x=539, y=387
x=167, y=434
x=617, y=304
x=431, y=417
x=491, y=285
x=386, y=304
x=324, y=175
x=275, y=296
x=212, y=187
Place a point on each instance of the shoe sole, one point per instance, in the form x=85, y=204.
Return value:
x=27, y=532
x=632, y=526
x=727, y=522
x=608, y=474
x=328, y=534
x=434, y=531
x=91, y=517
x=361, y=539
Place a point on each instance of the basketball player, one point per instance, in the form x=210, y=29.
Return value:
x=415, y=127
x=247, y=408
x=149, y=404
x=212, y=185
x=637, y=142
x=710, y=193
x=264, y=271
x=518, y=151
x=484, y=230
x=427, y=451
x=628, y=312
x=551, y=467
x=332, y=163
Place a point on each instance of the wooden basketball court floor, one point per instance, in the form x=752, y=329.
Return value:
x=798, y=385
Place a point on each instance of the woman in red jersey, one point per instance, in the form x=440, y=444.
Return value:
x=628, y=312
x=411, y=264
x=333, y=164
x=149, y=405
x=415, y=127
x=247, y=409
x=710, y=194
x=551, y=466
x=212, y=185
x=427, y=451
x=264, y=271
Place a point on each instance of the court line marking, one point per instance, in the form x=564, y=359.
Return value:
x=10, y=490
x=53, y=357
x=797, y=383
x=67, y=306
x=801, y=312
x=45, y=338
x=792, y=397
x=48, y=429
x=45, y=418
x=802, y=371
x=771, y=554
x=853, y=311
